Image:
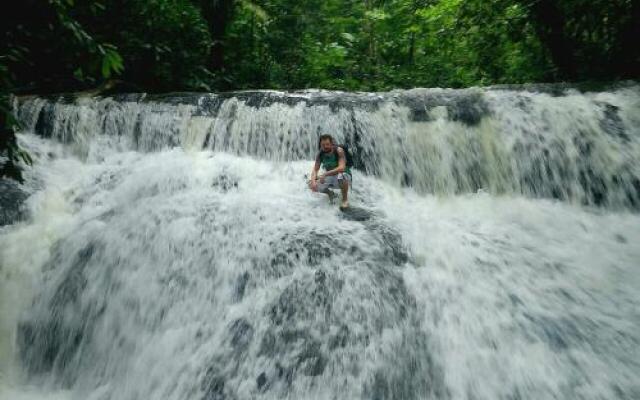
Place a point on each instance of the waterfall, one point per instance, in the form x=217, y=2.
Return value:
x=167, y=247
x=564, y=145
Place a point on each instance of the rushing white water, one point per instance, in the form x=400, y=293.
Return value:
x=582, y=148
x=185, y=258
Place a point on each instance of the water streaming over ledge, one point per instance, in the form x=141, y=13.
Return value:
x=169, y=249
x=561, y=144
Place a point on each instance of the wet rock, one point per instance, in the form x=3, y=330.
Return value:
x=611, y=123
x=284, y=373
x=46, y=119
x=311, y=361
x=241, y=334
x=213, y=386
x=12, y=197
x=48, y=345
x=240, y=286
x=224, y=183
x=465, y=106
x=261, y=381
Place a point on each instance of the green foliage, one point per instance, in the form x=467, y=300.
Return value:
x=11, y=155
x=63, y=45
x=165, y=43
x=22, y=52
x=111, y=62
x=161, y=45
x=377, y=45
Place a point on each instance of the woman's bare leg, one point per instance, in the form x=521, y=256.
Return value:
x=344, y=188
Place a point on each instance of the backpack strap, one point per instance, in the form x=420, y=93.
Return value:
x=344, y=153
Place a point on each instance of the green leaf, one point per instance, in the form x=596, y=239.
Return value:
x=348, y=37
x=111, y=62
x=106, y=67
x=376, y=14
x=258, y=11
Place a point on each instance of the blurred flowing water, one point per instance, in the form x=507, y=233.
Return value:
x=166, y=247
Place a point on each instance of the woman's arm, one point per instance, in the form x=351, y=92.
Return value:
x=314, y=171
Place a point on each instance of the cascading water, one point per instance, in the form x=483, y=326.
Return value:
x=168, y=248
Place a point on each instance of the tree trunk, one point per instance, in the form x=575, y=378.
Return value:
x=217, y=13
x=627, y=58
x=412, y=47
x=549, y=25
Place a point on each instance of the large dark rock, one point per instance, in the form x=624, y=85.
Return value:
x=12, y=197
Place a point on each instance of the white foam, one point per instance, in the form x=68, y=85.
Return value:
x=506, y=296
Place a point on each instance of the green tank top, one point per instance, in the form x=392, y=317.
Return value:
x=329, y=161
